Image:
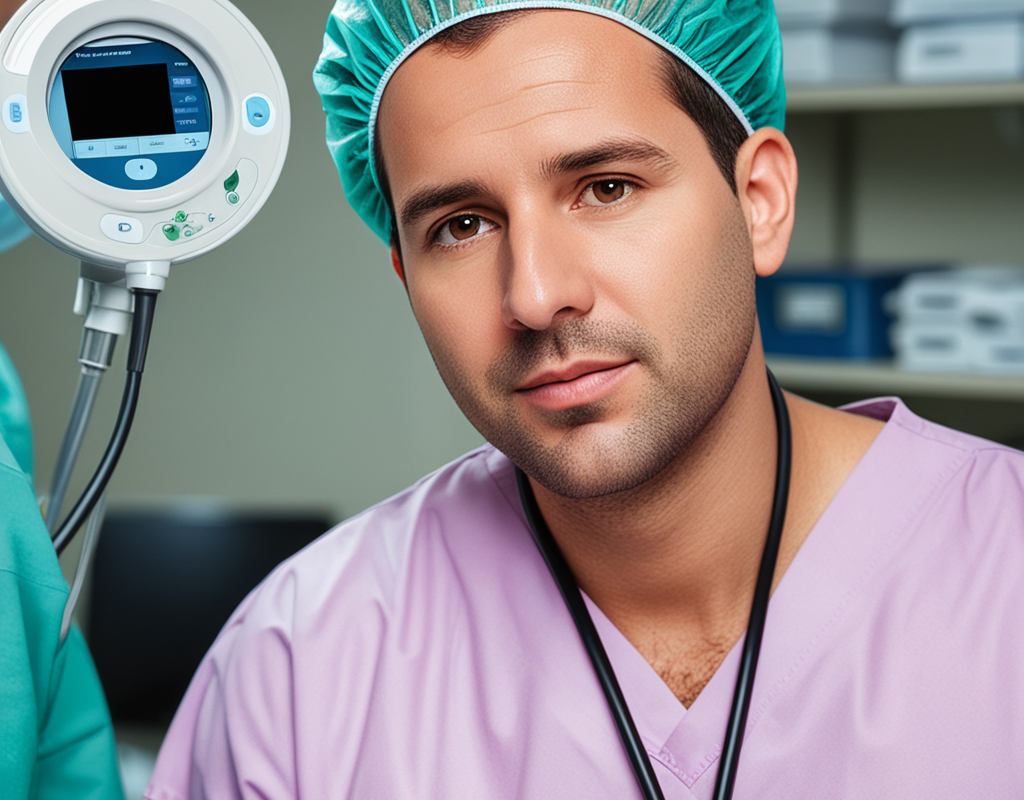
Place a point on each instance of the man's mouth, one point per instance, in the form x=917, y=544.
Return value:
x=575, y=384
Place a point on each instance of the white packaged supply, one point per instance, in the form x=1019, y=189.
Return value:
x=817, y=56
x=995, y=329
x=911, y=12
x=996, y=314
x=933, y=298
x=991, y=50
x=950, y=297
x=968, y=320
x=931, y=348
x=831, y=12
x=944, y=348
x=997, y=357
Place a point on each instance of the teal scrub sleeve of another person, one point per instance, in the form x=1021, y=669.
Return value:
x=56, y=738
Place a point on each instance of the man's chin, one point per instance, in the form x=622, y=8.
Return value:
x=587, y=463
x=575, y=484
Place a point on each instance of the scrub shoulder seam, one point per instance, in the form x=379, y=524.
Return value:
x=60, y=588
x=965, y=443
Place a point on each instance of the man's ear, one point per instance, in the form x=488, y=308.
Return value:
x=766, y=181
x=396, y=262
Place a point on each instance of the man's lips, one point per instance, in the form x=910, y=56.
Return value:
x=574, y=385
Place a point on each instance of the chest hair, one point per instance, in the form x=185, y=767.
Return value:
x=686, y=670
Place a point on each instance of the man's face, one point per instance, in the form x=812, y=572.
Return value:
x=580, y=269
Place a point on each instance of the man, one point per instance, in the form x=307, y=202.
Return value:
x=578, y=216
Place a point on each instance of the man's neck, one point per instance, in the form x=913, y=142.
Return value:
x=673, y=563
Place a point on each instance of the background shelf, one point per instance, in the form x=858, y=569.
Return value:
x=882, y=377
x=899, y=96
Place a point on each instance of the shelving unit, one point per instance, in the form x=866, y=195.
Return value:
x=883, y=377
x=805, y=99
x=851, y=135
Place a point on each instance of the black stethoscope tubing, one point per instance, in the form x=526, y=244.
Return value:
x=638, y=758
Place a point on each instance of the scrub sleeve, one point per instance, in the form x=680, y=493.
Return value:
x=56, y=738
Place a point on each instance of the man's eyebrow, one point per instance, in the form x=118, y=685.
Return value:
x=432, y=198
x=605, y=152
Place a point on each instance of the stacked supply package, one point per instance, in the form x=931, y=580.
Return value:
x=959, y=40
x=836, y=41
x=835, y=311
x=969, y=320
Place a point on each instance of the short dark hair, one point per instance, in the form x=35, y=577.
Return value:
x=722, y=129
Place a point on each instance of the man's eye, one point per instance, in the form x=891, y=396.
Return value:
x=605, y=193
x=460, y=228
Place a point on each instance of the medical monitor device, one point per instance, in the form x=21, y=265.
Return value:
x=165, y=581
x=138, y=131
x=134, y=135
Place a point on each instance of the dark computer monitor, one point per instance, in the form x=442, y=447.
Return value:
x=164, y=583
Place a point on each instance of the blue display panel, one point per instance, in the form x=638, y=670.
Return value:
x=132, y=113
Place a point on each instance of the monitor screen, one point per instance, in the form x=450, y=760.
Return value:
x=163, y=585
x=131, y=113
x=149, y=111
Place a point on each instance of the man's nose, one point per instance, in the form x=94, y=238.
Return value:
x=546, y=275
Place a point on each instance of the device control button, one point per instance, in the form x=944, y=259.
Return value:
x=231, y=182
x=121, y=229
x=140, y=169
x=257, y=109
x=180, y=216
x=257, y=114
x=233, y=198
x=172, y=232
x=15, y=114
x=191, y=230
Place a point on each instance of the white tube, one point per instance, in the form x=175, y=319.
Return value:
x=92, y=535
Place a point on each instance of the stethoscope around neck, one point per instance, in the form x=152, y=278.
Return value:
x=638, y=758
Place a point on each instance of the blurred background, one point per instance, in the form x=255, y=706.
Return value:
x=904, y=276
x=288, y=386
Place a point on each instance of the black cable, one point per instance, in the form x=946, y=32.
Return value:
x=638, y=758
x=142, y=325
x=759, y=609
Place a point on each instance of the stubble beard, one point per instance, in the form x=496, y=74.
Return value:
x=683, y=395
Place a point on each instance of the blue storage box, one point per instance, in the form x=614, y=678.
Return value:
x=835, y=313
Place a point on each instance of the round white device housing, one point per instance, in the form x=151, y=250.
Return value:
x=114, y=165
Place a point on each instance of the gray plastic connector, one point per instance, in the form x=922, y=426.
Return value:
x=150, y=275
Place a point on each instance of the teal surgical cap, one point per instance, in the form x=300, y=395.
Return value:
x=732, y=44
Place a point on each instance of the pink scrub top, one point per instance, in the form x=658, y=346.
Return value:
x=421, y=650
